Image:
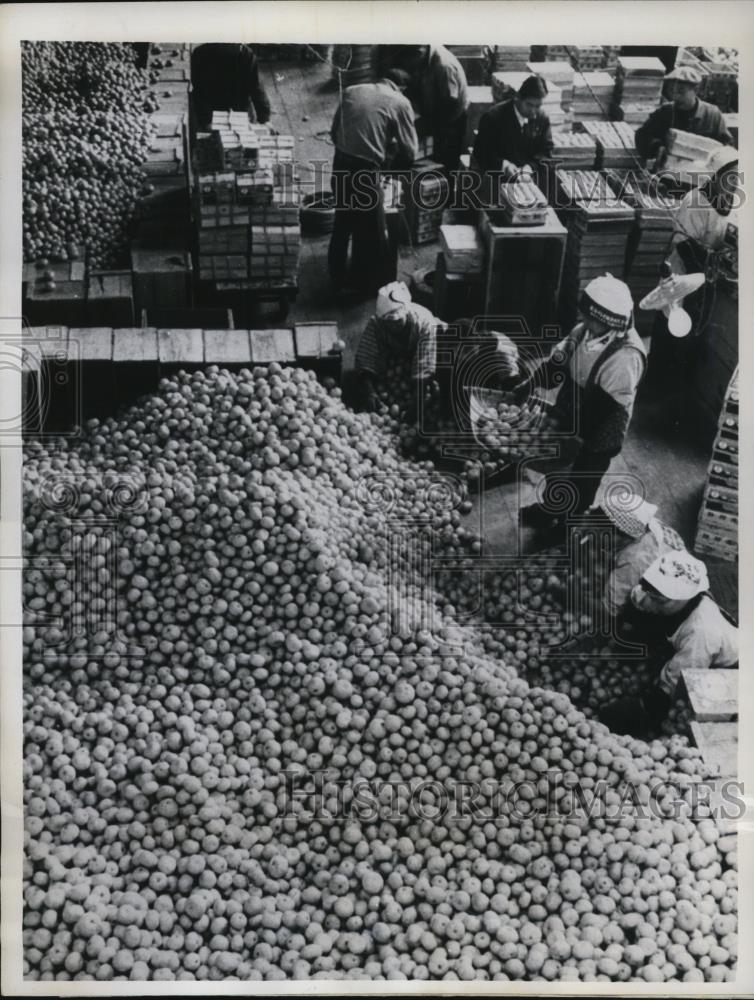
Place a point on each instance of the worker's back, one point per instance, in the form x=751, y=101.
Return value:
x=371, y=120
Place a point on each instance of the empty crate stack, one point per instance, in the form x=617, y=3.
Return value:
x=510, y=58
x=592, y=94
x=649, y=246
x=587, y=58
x=638, y=87
x=717, y=529
x=599, y=225
x=248, y=212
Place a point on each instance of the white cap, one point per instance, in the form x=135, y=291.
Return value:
x=393, y=298
x=608, y=300
x=678, y=576
x=628, y=512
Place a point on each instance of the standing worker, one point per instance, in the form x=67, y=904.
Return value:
x=700, y=225
x=398, y=328
x=673, y=593
x=685, y=112
x=599, y=366
x=373, y=129
x=225, y=77
x=440, y=94
x=515, y=136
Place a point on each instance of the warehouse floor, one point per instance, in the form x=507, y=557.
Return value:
x=670, y=462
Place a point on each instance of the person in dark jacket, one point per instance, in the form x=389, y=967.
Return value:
x=439, y=92
x=373, y=130
x=515, y=136
x=685, y=112
x=598, y=366
x=225, y=77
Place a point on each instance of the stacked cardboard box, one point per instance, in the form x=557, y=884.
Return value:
x=592, y=94
x=248, y=212
x=558, y=74
x=523, y=204
x=426, y=196
x=717, y=529
x=611, y=57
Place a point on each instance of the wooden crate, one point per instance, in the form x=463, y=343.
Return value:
x=109, y=299
x=524, y=267
x=718, y=743
x=65, y=303
x=712, y=694
x=272, y=345
x=178, y=348
x=160, y=277
x=227, y=347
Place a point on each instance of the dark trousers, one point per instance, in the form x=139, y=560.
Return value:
x=359, y=222
x=448, y=146
x=573, y=492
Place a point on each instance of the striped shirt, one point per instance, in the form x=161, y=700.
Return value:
x=414, y=337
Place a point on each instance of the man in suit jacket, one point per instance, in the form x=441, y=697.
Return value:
x=515, y=135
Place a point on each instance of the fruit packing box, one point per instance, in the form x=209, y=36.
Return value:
x=464, y=253
x=509, y=58
x=223, y=266
x=225, y=214
x=580, y=185
x=523, y=203
x=268, y=346
x=109, y=298
x=573, y=151
x=232, y=239
x=316, y=340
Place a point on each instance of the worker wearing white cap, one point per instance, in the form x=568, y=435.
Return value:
x=685, y=112
x=599, y=366
x=399, y=328
x=649, y=538
x=674, y=590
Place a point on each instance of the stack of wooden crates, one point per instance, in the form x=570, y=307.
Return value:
x=717, y=530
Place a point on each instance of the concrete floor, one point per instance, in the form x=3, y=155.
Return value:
x=669, y=462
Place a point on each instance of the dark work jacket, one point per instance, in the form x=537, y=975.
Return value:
x=225, y=77
x=704, y=119
x=500, y=137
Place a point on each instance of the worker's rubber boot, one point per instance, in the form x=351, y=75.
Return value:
x=637, y=716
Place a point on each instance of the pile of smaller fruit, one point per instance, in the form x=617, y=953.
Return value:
x=85, y=139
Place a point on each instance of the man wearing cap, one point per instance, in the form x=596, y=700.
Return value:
x=641, y=539
x=598, y=366
x=674, y=592
x=399, y=328
x=685, y=112
x=373, y=129
x=515, y=136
